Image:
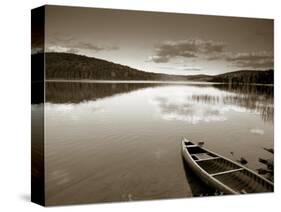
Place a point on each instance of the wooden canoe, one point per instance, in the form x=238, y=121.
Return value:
x=221, y=173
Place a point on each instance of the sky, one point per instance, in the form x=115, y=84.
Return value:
x=169, y=43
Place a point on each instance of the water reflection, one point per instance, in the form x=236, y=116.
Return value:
x=256, y=98
x=37, y=152
x=119, y=141
x=187, y=110
x=76, y=92
x=194, y=107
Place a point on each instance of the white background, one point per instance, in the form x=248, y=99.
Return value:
x=15, y=103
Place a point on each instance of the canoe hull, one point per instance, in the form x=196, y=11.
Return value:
x=223, y=174
x=206, y=179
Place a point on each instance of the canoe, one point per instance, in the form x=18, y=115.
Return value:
x=223, y=174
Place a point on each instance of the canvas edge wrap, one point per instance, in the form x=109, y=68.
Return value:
x=38, y=99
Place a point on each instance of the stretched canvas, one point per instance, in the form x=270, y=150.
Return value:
x=135, y=105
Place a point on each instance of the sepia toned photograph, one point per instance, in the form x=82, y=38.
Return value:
x=137, y=105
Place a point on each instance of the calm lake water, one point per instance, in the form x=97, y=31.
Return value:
x=121, y=141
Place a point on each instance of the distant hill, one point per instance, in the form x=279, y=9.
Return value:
x=71, y=66
x=246, y=76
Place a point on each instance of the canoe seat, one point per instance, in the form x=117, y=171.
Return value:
x=227, y=172
x=203, y=156
x=216, y=165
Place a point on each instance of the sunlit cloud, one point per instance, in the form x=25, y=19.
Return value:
x=72, y=45
x=209, y=50
x=182, y=68
x=61, y=49
x=260, y=59
x=190, y=48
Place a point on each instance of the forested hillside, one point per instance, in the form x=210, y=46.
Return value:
x=77, y=67
x=245, y=77
x=70, y=66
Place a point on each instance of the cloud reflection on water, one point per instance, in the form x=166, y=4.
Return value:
x=257, y=131
x=208, y=104
x=191, y=103
x=191, y=112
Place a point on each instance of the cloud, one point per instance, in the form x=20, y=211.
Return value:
x=182, y=68
x=159, y=59
x=62, y=49
x=90, y=46
x=190, y=68
x=261, y=59
x=79, y=47
x=191, y=48
x=62, y=39
x=210, y=50
x=71, y=45
x=36, y=50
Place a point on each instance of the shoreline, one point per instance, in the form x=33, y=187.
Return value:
x=151, y=82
